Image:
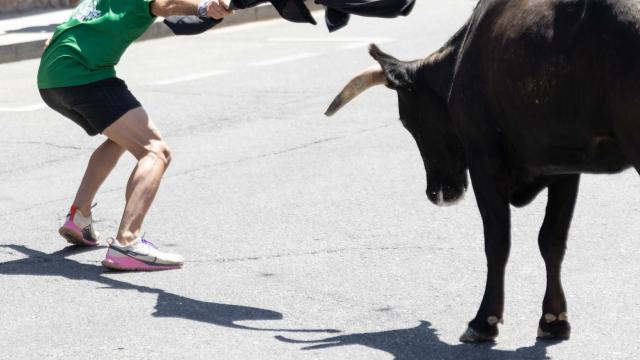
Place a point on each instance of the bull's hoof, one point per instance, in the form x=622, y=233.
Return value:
x=472, y=336
x=480, y=331
x=554, y=328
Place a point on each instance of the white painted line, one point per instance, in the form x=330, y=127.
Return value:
x=285, y=59
x=366, y=43
x=27, y=108
x=191, y=77
x=242, y=27
x=231, y=28
x=329, y=39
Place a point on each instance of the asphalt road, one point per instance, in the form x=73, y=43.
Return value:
x=305, y=237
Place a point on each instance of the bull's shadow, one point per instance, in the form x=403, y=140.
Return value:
x=168, y=305
x=422, y=343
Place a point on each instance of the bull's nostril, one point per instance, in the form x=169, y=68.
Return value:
x=433, y=196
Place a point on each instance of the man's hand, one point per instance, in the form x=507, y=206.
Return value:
x=217, y=9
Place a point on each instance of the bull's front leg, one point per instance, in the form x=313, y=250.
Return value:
x=492, y=194
x=552, y=241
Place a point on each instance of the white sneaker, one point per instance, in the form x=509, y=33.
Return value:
x=139, y=255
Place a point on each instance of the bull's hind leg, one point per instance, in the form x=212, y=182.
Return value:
x=552, y=241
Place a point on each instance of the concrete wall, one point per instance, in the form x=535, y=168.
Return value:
x=14, y=6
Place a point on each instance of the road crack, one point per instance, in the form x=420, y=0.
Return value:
x=276, y=153
x=307, y=253
x=217, y=164
x=45, y=143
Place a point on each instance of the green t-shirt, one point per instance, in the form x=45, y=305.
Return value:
x=86, y=48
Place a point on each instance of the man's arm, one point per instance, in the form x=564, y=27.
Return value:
x=216, y=9
x=190, y=25
x=166, y=8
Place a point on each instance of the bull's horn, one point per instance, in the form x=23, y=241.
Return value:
x=371, y=76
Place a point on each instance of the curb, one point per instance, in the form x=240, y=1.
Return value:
x=33, y=49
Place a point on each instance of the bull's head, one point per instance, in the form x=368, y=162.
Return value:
x=425, y=114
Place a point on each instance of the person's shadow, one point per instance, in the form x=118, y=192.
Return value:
x=417, y=343
x=168, y=305
x=422, y=343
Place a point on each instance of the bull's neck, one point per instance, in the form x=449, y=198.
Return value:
x=438, y=68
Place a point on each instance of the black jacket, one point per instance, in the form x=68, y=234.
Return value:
x=337, y=13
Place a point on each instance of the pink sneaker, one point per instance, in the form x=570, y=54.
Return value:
x=78, y=229
x=139, y=255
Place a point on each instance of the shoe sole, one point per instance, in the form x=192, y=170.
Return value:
x=135, y=265
x=75, y=238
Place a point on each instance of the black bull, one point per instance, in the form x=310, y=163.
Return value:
x=526, y=96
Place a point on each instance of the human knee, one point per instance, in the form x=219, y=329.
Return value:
x=161, y=151
x=107, y=152
x=113, y=147
x=167, y=155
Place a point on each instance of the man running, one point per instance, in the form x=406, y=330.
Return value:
x=77, y=78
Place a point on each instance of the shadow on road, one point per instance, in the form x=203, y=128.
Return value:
x=422, y=343
x=168, y=305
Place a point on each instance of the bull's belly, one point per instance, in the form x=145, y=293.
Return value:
x=603, y=157
x=585, y=168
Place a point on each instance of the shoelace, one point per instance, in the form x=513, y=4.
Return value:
x=111, y=240
x=145, y=241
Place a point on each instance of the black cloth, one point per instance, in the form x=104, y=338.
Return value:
x=93, y=106
x=190, y=25
x=292, y=10
x=337, y=13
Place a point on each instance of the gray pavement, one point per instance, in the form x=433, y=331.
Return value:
x=305, y=237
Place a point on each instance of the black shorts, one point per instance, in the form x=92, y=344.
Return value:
x=93, y=106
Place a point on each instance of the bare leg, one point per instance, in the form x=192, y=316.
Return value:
x=101, y=163
x=136, y=133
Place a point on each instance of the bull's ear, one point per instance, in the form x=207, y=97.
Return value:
x=398, y=73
